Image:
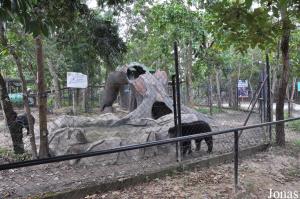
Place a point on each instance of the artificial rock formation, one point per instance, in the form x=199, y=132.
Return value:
x=73, y=134
x=149, y=98
x=150, y=119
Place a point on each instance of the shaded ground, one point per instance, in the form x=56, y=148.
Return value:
x=277, y=169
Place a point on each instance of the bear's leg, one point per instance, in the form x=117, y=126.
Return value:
x=209, y=142
x=185, y=147
x=198, y=144
x=189, y=148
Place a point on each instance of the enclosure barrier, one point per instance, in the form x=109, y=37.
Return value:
x=149, y=144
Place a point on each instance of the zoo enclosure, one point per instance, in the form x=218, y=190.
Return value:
x=237, y=133
x=225, y=143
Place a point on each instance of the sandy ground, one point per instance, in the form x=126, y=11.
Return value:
x=277, y=169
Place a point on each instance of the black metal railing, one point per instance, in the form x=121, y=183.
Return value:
x=149, y=144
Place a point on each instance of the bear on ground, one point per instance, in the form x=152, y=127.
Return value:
x=22, y=120
x=191, y=129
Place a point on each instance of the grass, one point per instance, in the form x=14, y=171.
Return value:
x=9, y=154
x=293, y=172
x=205, y=110
x=294, y=125
x=5, y=152
x=297, y=143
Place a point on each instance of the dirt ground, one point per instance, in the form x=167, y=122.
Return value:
x=277, y=169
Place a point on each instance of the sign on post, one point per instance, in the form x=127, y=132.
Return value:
x=76, y=80
x=243, y=88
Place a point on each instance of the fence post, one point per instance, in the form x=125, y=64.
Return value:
x=236, y=160
x=178, y=99
x=175, y=112
x=269, y=101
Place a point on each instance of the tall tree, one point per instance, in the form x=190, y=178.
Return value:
x=19, y=64
x=10, y=117
x=246, y=27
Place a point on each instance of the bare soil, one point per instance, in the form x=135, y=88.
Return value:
x=277, y=168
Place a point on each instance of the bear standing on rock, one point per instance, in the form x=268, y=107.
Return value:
x=191, y=129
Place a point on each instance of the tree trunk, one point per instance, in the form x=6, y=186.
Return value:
x=288, y=98
x=10, y=117
x=42, y=99
x=274, y=87
x=108, y=66
x=165, y=65
x=236, y=85
x=210, y=91
x=291, y=98
x=26, y=103
x=9, y=114
x=56, y=85
x=250, y=78
x=218, y=88
x=230, y=97
x=84, y=99
x=74, y=106
x=280, y=134
x=188, y=67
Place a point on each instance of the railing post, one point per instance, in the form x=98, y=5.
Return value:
x=236, y=159
x=175, y=112
x=269, y=101
x=177, y=81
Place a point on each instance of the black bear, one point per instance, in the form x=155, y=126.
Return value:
x=23, y=121
x=191, y=129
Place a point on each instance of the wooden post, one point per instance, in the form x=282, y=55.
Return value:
x=74, y=100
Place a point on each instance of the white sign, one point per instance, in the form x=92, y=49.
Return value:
x=243, y=83
x=76, y=80
x=243, y=88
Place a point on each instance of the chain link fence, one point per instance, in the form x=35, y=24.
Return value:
x=77, y=134
x=146, y=117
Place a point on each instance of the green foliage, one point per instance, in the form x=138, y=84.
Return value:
x=294, y=53
x=206, y=110
x=89, y=46
x=78, y=40
x=161, y=24
x=9, y=154
x=39, y=17
x=224, y=35
x=294, y=125
x=235, y=24
x=106, y=41
x=297, y=143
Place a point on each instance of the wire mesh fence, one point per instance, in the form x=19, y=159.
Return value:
x=146, y=117
x=112, y=167
x=77, y=134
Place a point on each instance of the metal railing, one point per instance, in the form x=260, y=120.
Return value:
x=149, y=144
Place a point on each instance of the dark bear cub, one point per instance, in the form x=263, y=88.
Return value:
x=191, y=129
x=23, y=121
